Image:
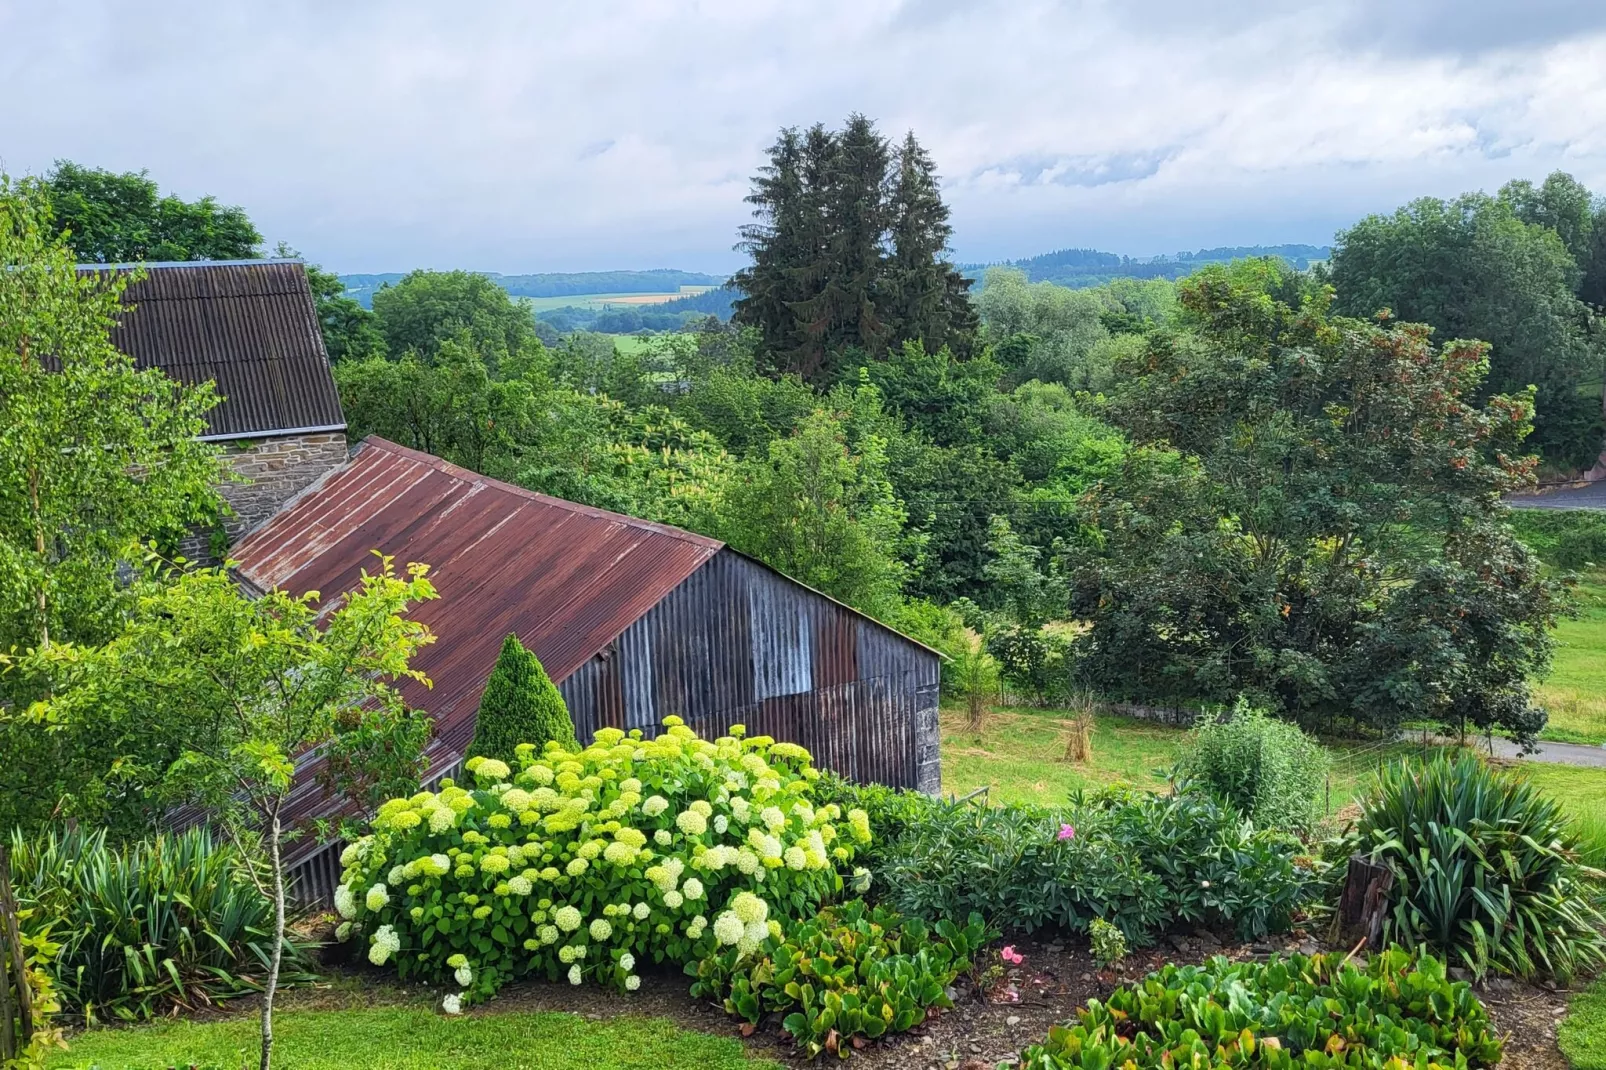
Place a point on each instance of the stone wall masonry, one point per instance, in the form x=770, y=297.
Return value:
x=274, y=470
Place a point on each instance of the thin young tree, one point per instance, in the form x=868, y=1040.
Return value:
x=269, y=682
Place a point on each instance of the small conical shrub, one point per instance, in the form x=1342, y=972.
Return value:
x=520, y=705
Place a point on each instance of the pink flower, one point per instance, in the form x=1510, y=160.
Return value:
x=1067, y=832
x=1010, y=955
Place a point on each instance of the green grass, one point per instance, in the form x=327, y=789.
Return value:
x=1018, y=756
x=1582, y=1037
x=412, y=1038
x=1575, y=691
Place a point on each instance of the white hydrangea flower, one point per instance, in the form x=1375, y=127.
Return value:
x=662, y=837
x=452, y=1004
x=773, y=818
x=756, y=932
x=693, y=888
x=385, y=944
x=601, y=930
x=655, y=805
x=691, y=822
x=520, y=885
x=548, y=934
x=728, y=928
x=377, y=897
x=464, y=975
x=441, y=818
x=795, y=858
x=396, y=875
x=574, y=975
x=568, y=918
x=673, y=899
x=345, y=902
x=632, y=983
x=642, y=911
x=627, y=962
x=749, y=907
x=721, y=823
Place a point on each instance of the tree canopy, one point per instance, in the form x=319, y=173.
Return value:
x=112, y=218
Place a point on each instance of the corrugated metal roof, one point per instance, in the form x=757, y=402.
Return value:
x=249, y=326
x=565, y=578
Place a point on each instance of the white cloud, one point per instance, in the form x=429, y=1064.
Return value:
x=568, y=136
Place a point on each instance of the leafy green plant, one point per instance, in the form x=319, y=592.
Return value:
x=1317, y=1012
x=1485, y=869
x=1142, y=862
x=1267, y=769
x=583, y=863
x=520, y=705
x=149, y=927
x=850, y=971
x=1109, y=943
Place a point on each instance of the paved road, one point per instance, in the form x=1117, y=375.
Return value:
x=1588, y=496
x=1560, y=753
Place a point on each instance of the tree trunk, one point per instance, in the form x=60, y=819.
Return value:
x=276, y=860
x=19, y=957
x=1364, y=901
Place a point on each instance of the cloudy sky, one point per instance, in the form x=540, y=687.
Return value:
x=567, y=136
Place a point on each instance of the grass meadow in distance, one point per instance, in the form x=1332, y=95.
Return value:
x=411, y=1038
x=1575, y=691
x=617, y=301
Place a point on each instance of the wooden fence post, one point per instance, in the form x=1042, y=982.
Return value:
x=11, y=937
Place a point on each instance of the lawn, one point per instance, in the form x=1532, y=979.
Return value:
x=1582, y=1036
x=1019, y=756
x=411, y=1038
x=1575, y=691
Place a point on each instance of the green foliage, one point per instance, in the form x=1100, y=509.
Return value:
x=427, y=308
x=1492, y=269
x=109, y=218
x=1267, y=770
x=1582, y=1035
x=1109, y=943
x=822, y=511
x=1045, y=332
x=1484, y=869
x=95, y=456
x=584, y=864
x=1315, y=1012
x=1313, y=517
x=850, y=971
x=170, y=923
x=1140, y=861
x=350, y=331
x=519, y=705
x=1563, y=538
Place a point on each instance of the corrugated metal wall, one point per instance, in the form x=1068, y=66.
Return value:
x=737, y=643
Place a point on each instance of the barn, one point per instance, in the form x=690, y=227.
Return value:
x=634, y=621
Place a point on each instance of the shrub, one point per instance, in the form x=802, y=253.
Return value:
x=1395, y=1012
x=1484, y=869
x=1109, y=944
x=1268, y=770
x=1032, y=661
x=850, y=971
x=520, y=705
x=586, y=862
x=145, y=928
x=1142, y=862
x=1564, y=538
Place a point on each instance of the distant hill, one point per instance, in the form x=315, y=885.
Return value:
x=557, y=284
x=1092, y=267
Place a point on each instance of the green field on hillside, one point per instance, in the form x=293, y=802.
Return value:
x=1575, y=691
x=614, y=301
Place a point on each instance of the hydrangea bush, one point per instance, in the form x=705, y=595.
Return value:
x=582, y=864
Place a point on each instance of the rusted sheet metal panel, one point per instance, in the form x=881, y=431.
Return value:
x=250, y=327
x=739, y=643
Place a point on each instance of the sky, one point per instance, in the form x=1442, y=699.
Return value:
x=576, y=136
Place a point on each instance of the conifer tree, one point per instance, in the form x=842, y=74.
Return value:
x=925, y=298
x=520, y=705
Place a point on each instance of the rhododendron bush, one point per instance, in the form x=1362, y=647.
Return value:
x=582, y=864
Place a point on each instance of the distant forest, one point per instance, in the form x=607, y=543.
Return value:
x=555, y=284
x=1092, y=267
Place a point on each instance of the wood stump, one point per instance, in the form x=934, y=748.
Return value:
x=1364, y=902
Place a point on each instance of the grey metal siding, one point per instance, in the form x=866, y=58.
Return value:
x=737, y=643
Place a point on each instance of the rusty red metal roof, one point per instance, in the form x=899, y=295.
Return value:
x=565, y=578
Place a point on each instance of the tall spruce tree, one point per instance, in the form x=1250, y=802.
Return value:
x=848, y=254
x=520, y=705
x=924, y=297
